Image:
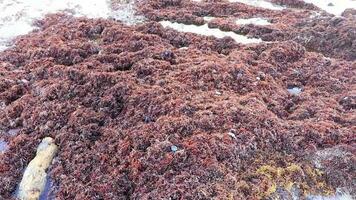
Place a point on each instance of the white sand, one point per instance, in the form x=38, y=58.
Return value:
x=17, y=16
x=260, y=3
x=205, y=30
x=255, y=21
x=338, y=5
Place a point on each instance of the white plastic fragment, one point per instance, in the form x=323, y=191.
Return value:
x=294, y=90
x=231, y=134
x=174, y=148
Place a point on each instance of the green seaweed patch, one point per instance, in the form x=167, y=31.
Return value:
x=265, y=180
x=307, y=179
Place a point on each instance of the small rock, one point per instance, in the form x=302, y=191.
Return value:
x=261, y=76
x=167, y=55
x=330, y=4
x=147, y=119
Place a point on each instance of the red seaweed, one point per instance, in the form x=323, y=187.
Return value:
x=135, y=116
